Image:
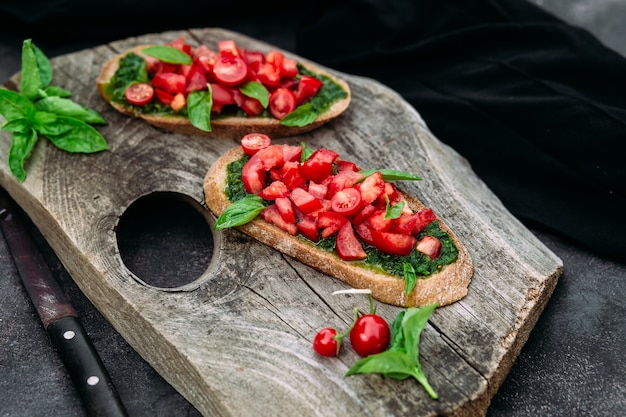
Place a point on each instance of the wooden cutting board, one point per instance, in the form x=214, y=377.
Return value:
x=237, y=340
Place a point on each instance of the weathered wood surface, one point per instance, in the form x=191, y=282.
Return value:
x=237, y=341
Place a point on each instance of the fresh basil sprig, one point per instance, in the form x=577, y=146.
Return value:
x=401, y=360
x=42, y=109
x=393, y=211
x=391, y=175
x=168, y=54
x=240, y=212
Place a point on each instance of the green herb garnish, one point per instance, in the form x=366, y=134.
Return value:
x=42, y=109
x=401, y=360
x=256, y=90
x=240, y=212
x=390, y=175
x=199, y=105
x=168, y=54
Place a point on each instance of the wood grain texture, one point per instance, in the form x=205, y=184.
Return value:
x=237, y=341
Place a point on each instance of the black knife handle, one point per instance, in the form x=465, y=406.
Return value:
x=85, y=368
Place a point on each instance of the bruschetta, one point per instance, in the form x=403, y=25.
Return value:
x=226, y=91
x=352, y=224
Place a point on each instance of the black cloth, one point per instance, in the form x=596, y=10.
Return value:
x=537, y=106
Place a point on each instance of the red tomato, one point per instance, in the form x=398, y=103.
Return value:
x=163, y=96
x=268, y=75
x=430, y=246
x=318, y=190
x=393, y=243
x=292, y=152
x=307, y=88
x=228, y=48
x=349, y=248
x=290, y=175
x=252, y=106
x=139, y=94
x=405, y=224
x=307, y=225
x=179, y=43
x=170, y=82
x=424, y=218
x=282, y=102
x=253, y=173
x=372, y=187
x=271, y=215
x=304, y=201
x=230, y=70
x=221, y=97
x=290, y=68
x=253, y=142
x=370, y=335
x=324, y=343
x=364, y=214
x=319, y=165
x=330, y=222
x=343, y=179
x=346, y=202
x=273, y=191
x=276, y=59
x=196, y=80
x=285, y=208
x=377, y=221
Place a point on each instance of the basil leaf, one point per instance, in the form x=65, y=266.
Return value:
x=256, y=90
x=66, y=107
x=306, y=152
x=168, y=54
x=21, y=125
x=70, y=135
x=303, y=115
x=390, y=174
x=412, y=324
x=21, y=147
x=53, y=91
x=199, y=105
x=240, y=212
x=410, y=278
x=14, y=105
x=30, y=82
x=395, y=211
x=43, y=64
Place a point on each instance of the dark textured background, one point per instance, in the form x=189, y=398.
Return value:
x=572, y=365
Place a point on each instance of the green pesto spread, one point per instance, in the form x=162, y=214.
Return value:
x=376, y=260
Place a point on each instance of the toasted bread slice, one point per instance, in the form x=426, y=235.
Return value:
x=225, y=127
x=444, y=287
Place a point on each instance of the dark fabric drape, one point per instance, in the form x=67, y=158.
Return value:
x=537, y=106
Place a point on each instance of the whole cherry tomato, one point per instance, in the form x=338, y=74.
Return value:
x=370, y=335
x=325, y=343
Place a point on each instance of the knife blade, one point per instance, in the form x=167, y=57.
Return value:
x=59, y=318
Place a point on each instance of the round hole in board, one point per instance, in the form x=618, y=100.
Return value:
x=165, y=239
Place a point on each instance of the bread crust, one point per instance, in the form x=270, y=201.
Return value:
x=226, y=127
x=444, y=287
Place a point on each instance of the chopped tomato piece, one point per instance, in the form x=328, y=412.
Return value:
x=292, y=152
x=319, y=165
x=221, y=97
x=179, y=43
x=254, y=172
x=348, y=246
x=271, y=215
x=170, y=82
x=307, y=88
x=139, y=94
x=365, y=213
x=178, y=102
x=424, y=218
x=253, y=142
x=276, y=189
x=290, y=175
x=346, y=166
x=343, y=179
x=405, y=224
x=393, y=243
x=268, y=75
x=377, y=221
x=365, y=233
x=202, y=50
x=196, y=80
x=304, y=201
x=276, y=59
x=346, y=202
x=254, y=59
x=330, y=222
x=307, y=225
x=285, y=208
x=230, y=70
x=290, y=68
x=429, y=245
x=206, y=64
x=372, y=187
x=318, y=190
x=163, y=96
x=228, y=48
x=282, y=102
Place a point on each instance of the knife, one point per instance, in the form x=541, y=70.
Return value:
x=59, y=318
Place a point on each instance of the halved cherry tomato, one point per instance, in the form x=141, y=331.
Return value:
x=370, y=335
x=282, y=102
x=346, y=202
x=349, y=248
x=139, y=94
x=253, y=142
x=230, y=70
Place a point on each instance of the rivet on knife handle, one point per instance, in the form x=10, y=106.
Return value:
x=59, y=318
